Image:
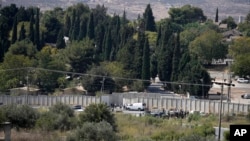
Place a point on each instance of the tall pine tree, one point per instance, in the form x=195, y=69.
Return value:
x=149, y=20
x=91, y=27
x=139, y=54
x=67, y=25
x=22, y=33
x=37, y=30
x=217, y=15
x=176, y=60
x=14, y=31
x=146, y=64
x=60, y=43
x=108, y=46
x=31, y=27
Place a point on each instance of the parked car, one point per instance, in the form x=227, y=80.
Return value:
x=158, y=113
x=245, y=96
x=136, y=106
x=242, y=80
x=78, y=108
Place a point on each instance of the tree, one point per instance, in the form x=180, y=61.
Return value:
x=22, y=33
x=20, y=116
x=240, y=46
x=149, y=19
x=80, y=55
x=97, y=113
x=124, y=19
x=53, y=27
x=60, y=43
x=153, y=66
x=217, y=15
x=208, y=46
x=146, y=64
x=67, y=25
x=100, y=81
x=165, y=51
x=241, y=65
x=176, y=59
x=49, y=58
x=108, y=45
x=14, y=31
x=31, y=27
x=91, y=28
x=83, y=28
x=230, y=22
x=37, y=30
x=186, y=14
x=138, y=53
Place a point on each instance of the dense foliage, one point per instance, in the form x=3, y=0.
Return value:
x=79, y=39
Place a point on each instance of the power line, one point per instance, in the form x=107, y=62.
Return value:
x=103, y=76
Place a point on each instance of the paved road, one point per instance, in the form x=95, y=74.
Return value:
x=236, y=91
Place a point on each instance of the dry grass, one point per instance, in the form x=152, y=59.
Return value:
x=132, y=128
x=32, y=135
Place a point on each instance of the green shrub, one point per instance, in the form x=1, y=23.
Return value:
x=204, y=130
x=2, y=116
x=226, y=135
x=97, y=113
x=248, y=115
x=46, y=121
x=20, y=116
x=194, y=117
x=59, y=117
x=60, y=108
x=91, y=131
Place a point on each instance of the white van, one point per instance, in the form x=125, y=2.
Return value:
x=136, y=106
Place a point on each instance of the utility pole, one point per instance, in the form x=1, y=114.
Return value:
x=229, y=81
x=102, y=88
x=28, y=89
x=221, y=97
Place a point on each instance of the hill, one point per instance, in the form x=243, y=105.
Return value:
x=234, y=8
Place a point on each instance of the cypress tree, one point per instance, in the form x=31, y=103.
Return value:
x=42, y=43
x=14, y=31
x=67, y=26
x=37, y=30
x=60, y=43
x=149, y=19
x=217, y=15
x=146, y=64
x=31, y=27
x=76, y=29
x=22, y=33
x=71, y=30
x=158, y=39
x=100, y=38
x=153, y=66
x=83, y=28
x=165, y=55
x=124, y=20
x=91, y=28
x=108, y=46
x=139, y=54
x=176, y=60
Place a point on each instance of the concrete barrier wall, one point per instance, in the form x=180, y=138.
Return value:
x=52, y=100
x=196, y=105
x=207, y=106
